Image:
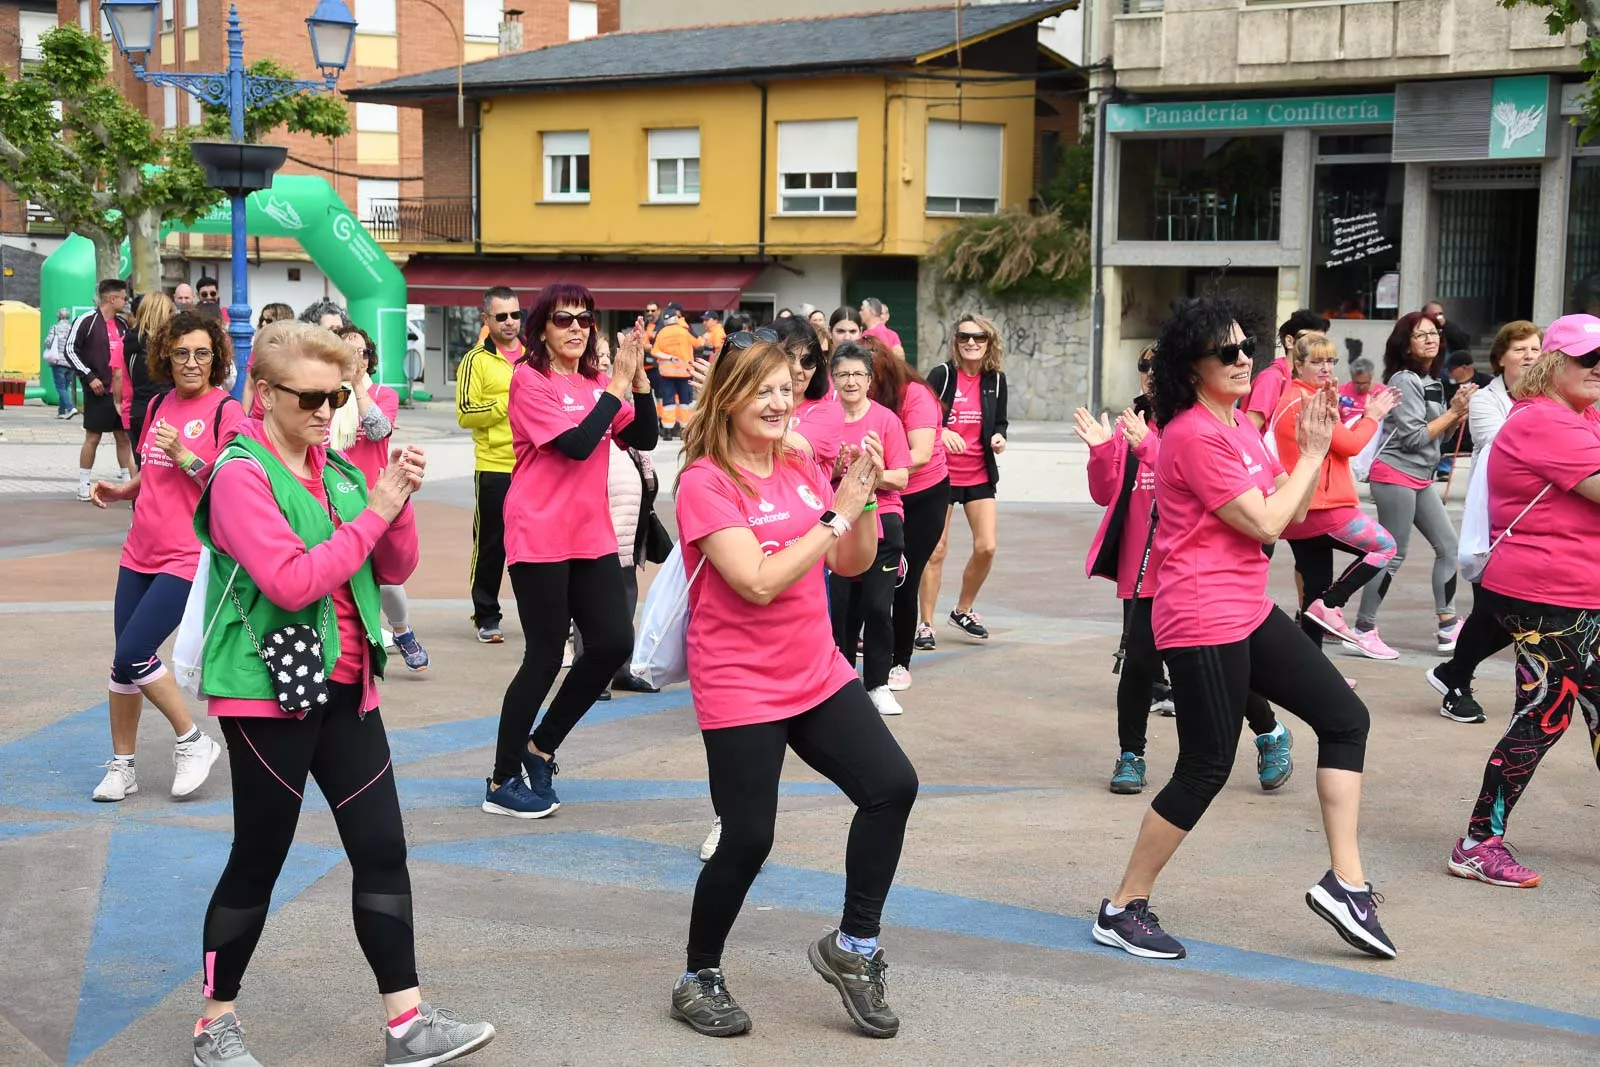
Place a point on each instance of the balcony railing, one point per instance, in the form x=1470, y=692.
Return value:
x=422, y=220
x=1140, y=7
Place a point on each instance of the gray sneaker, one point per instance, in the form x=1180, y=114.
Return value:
x=435, y=1036
x=705, y=1004
x=860, y=981
x=221, y=1044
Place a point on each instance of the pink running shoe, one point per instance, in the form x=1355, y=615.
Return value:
x=1449, y=634
x=1491, y=861
x=1330, y=619
x=1370, y=645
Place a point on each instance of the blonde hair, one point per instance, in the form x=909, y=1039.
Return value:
x=279, y=344
x=154, y=311
x=735, y=378
x=1314, y=344
x=1540, y=379
x=992, y=352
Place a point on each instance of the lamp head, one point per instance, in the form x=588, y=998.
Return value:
x=134, y=23
x=333, y=35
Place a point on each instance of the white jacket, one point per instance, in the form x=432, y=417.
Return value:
x=1486, y=413
x=627, y=495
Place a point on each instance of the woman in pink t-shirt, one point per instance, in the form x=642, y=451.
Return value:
x=1220, y=496
x=765, y=519
x=565, y=417
x=186, y=429
x=863, y=606
x=1542, y=579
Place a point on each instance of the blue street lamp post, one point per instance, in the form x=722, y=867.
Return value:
x=234, y=166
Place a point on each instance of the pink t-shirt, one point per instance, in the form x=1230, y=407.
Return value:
x=1267, y=389
x=1549, y=557
x=1352, y=402
x=162, y=540
x=919, y=410
x=372, y=456
x=966, y=419
x=1211, y=580
x=1384, y=474
x=740, y=672
x=882, y=332
x=896, y=452
x=558, y=508
x=821, y=423
x=119, y=362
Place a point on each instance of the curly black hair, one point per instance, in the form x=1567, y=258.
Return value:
x=158, y=356
x=1193, y=329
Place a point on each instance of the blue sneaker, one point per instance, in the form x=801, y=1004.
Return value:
x=411, y=650
x=1274, y=764
x=1136, y=930
x=537, y=773
x=515, y=799
x=1128, y=777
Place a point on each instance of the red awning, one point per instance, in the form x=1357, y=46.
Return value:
x=449, y=281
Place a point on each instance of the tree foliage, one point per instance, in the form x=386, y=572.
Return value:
x=319, y=114
x=1561, y=15
x=1016, y=255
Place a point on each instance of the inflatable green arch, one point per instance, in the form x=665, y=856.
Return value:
x=298, y=206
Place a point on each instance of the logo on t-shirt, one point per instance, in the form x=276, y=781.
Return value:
x=192, y=428
x=597, y=393
x=811, y=499
x=568, y=400
x=1250, y=465
x=764, y=506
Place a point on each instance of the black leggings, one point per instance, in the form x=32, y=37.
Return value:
x=844, y=740
x=551, y=597
x=348, y=755
x=1141, y=670
x=862, y=607
x=1313, y=558
x=1481, y=636
x=926, y=512
x=1210, y=684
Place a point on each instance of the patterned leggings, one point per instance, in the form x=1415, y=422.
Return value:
x=1348, y=530
x=1558, y=674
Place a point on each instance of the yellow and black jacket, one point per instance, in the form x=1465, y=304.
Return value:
x=483, y=393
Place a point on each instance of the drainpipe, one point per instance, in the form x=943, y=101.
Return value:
x=761, y=193
x=477, y=179
x=1097, y=306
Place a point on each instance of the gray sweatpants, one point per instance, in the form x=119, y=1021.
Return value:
x=1399, y=509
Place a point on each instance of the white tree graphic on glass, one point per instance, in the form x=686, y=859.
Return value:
x=1516, y=124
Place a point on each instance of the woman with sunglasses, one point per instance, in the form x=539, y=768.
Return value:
x=1221, y=497
x=184, y=430
x=1544, y=582
x=1402, y=479
x=566, y=416
x=299, y=543
x=763, y=519
x=1335, y=519
x=863, y=606
x=972, y=391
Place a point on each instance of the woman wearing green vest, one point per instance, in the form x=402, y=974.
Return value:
x=298, y=548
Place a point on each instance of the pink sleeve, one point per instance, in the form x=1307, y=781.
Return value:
x=1148, y=450
x=233, y=416
x=388, y=402
x=1266, y=392
x=1562, y=449
x=396, y=554
x=1214, y=472
x=920, y=409
x=823, y=427
x=1105, y=470
x=896, y=449
x=536, y=414
x=247, y=525
x=707, y=501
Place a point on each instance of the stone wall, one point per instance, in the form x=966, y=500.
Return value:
x=1047, y=350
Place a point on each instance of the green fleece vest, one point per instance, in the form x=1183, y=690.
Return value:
x=231, y=666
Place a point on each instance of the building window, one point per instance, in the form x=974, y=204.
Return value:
x=31, y=26
x=377, y=199
x=583, y=20
x=196, y=115
x=964, y=167
x=1140, y=7
x=817, y=167
x=566, y=165
x=1357, y=203
x=169, y=107
x=674, y=166
x=377, y=118
x=191, y=16
x=85, y=16
x=372, y=16
x=1583, y=235
x=1217, y=188
x=166, y=14
x=481, y=19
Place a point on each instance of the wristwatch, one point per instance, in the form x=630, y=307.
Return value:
x=835, y=522
x=195, y=464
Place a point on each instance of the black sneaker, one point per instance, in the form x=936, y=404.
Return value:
x=925, y=641
x=1458, y=704
x=861, y=982
x=705, y=1004
x=971, y=622
x=1354, y=916
x=1136, y=930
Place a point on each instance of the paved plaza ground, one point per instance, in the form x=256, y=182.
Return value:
x=568, y=932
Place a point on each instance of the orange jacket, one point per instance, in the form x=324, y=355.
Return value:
x=674, y=350
x=713, y=337
x=1336, y=487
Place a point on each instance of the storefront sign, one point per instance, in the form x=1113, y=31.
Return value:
x=1356, y=237
x=1377, y=109
x=1519, y=117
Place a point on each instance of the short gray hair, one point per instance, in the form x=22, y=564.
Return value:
x=878, y=306
x=313, y=314
x=1362, y=365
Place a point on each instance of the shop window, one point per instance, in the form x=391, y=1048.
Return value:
x=1583, y=237
x=1220, y=188
x=1355, y=239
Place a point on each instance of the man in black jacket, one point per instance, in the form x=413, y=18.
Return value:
x=95, y=352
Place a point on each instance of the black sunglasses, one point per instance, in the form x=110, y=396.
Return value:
x=313, y=399
x=1144, y=365
x=514, y=316
x=1589, y=361
x=747, y=338
x=1230, y=353
x=563, y=319
x=962, y=335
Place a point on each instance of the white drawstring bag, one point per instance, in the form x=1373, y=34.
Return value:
x=1361, y=465
x=661, y=649
x=188, y=648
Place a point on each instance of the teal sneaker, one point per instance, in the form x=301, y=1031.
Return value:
x=1128, y=777
x=1274, y=764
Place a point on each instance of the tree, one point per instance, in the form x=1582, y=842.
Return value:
x=70, y=142
x=1561, y=15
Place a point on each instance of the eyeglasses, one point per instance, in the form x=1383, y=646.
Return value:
x=1230, y=353
x=1322, y=362
x=561, y=320
x=971, y=338
x=1425, y=335
x=313, y=399
x=1144, y=366
x=851, y=375
x=200, y=357
x=502, y=316
x=746, y=338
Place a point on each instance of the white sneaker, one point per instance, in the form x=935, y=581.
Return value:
x=118, y=782
x=191, y=764
x=899, y=679
x=884, y=701
x=83, y=491
x=708, y=847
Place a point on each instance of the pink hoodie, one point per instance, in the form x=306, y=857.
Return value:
x=1107, y=464
x=247, y=525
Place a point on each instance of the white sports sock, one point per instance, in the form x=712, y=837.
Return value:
x=1470, y=843
x=1347, y=887
x=85, y=475
x=128, y=758
x=1112, y=911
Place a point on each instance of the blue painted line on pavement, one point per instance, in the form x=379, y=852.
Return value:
x=598, y=859
x=11, y=830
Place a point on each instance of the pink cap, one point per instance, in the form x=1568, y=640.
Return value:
x=1576, y=335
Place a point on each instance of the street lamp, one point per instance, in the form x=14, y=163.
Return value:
x=234, y=166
